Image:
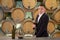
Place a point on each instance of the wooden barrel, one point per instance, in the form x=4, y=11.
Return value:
x=29, y=4
x=1, y=14
x=35, y=13
x=8, y=3
x=56, y=35
x=51, y=4
x=7, y=26
x=17, y=15
x=51, y=27
x=27, y=27
x=56, y=16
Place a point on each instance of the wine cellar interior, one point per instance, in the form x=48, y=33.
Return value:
x=22, y=13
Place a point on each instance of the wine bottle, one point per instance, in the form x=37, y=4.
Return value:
x=13, y=33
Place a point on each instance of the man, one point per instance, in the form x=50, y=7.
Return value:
x=41, y=23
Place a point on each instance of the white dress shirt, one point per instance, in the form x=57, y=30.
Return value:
x=40, y=15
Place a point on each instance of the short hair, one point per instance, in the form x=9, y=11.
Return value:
x=41, y=4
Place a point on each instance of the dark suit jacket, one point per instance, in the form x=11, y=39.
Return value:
x=41, y=26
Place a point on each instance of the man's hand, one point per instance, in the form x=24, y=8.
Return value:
x=34, y=26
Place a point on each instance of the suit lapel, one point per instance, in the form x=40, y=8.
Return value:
x=37, y=18
x=41, y=18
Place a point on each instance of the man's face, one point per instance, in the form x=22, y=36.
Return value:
x=41, y=10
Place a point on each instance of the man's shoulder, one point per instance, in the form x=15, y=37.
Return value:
x=45, y=15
